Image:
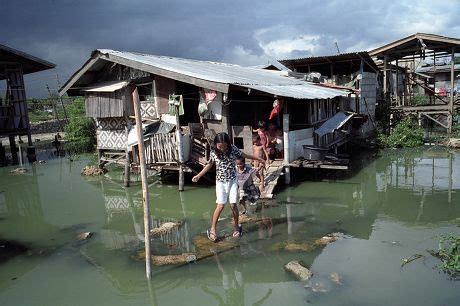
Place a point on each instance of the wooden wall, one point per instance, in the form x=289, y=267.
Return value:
x=109, y=104
x=367, y=101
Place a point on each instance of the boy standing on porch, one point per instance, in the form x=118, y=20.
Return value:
x=224, y=155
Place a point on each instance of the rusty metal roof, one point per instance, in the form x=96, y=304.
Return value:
x=201, y=73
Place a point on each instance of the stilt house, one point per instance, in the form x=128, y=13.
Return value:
x=14, y=118
x=217, y=97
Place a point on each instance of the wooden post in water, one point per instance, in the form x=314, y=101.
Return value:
x=14, y=150
x=451, y=102
x=145, y=191
x=127, y=162
x=287, y=169
x=179, y=148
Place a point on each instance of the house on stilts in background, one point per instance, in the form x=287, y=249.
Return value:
x=14, y=117
x=412, y=83
x=215, y=97
x=356, y=71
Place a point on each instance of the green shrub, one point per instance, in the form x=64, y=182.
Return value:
x=449, y=252
x=80, y=130
x=405, y=134
x=419, y=99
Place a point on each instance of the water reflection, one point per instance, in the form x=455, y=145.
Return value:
x=403, y=196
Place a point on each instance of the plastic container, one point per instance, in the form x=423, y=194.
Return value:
x=314, y=152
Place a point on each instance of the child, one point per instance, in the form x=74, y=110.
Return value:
x=248, y=191
x=264, y=138
x=259, y=150
x=224, y=155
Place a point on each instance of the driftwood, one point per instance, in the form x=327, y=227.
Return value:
x=162, y=260
x=18, y=171
x=164, y=228
x=328, y=239
x=298, y=270
x=454, y=143
x=84, y=236
x=294, y=247
x=93, y=171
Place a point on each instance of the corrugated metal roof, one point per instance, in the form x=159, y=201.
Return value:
x=273, y=82
x=328, y=59
x=334, y=123
x=439, y=68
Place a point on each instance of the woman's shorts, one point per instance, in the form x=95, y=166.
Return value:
x=227, y=192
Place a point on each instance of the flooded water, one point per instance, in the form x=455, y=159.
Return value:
x=393, y=208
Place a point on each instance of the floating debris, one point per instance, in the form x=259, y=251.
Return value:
x=298, y=269
x=179, y=259
x=84, y=236
x=336, y=278
x=164, y=228
x=39, y=162
x=321, y=285
x=294, y=246
x=328, y=239
x=93, y=171
x=409, y=259
x=18, y=171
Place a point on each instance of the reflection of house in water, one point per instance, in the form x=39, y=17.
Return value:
x=124, y=208
x=431, y=172
x=420, y=189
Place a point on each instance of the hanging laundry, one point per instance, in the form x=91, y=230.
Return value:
x=176, y=100
x=277, y=106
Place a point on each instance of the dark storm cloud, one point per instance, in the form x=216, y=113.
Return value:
x=243, y=32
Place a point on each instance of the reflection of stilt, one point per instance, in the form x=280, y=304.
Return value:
x=137, y=228
x=449, y=194
x=153, y=297
x=186, y=232
x=289, y=212
x=420, y=208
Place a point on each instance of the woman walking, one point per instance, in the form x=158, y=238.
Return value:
x=224, y=155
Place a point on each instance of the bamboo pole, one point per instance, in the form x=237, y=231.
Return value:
x=145, y=191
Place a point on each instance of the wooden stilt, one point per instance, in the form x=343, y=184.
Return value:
x=179, y=150
x=452, y=84
x=127, y=163
x=145, y=191
x=2, y=155
x=13, y=149
x=99, y=158
x=287, y=168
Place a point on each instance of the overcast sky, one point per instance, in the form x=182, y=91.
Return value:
x=245, y=32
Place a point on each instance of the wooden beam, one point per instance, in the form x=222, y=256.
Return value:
x=221, y=87
x=77, y=75
x=435, y=120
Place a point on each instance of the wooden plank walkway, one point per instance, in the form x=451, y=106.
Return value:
x=272, y=174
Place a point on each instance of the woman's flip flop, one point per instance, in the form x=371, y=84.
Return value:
x=211, y=235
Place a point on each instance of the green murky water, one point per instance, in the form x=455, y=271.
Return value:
x=396, y=206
